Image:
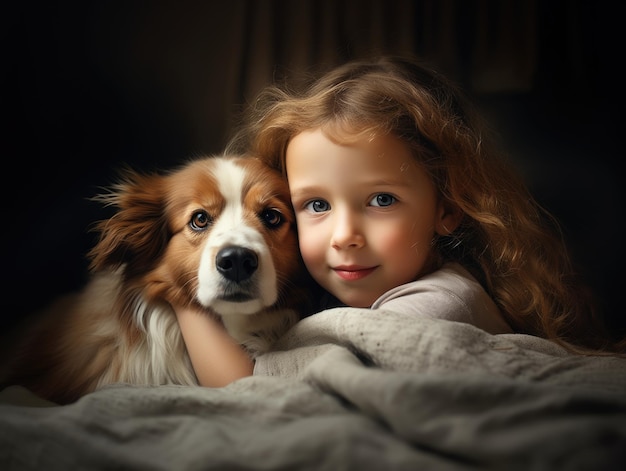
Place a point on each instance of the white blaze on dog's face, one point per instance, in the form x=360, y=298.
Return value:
x=236, y=271
x=234, y=238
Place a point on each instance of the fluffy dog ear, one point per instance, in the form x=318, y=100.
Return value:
x=137, y=233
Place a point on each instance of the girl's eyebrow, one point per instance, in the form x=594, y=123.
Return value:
x=306, y=191
x=389, y=182
x=316, y=189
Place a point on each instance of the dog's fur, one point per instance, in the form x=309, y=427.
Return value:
x=217, y=233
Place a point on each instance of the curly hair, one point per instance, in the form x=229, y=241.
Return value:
x=512, y=245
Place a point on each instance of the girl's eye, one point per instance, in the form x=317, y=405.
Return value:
x=200, y=220
x=272, y=218
x=383, y=200
x=317, y=206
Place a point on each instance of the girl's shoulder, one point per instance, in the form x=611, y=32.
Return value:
x=453, y=276
x=451, y=293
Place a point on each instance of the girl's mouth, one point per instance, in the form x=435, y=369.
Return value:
x=353, y=273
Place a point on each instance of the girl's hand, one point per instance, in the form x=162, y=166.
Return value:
x=216, y=358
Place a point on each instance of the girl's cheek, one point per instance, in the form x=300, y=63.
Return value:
x=308, y=248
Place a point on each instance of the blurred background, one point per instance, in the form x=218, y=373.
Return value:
x=88, y=87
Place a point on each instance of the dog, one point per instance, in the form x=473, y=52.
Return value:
x=217, y=233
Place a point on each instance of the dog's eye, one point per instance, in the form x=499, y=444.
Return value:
x=200, y=220
x=272, y=218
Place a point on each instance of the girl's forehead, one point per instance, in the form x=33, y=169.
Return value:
x=378, y=153
x=349, y=133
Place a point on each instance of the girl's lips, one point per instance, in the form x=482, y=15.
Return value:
x=353, y=273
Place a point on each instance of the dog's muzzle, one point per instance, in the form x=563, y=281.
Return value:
x=236, y=273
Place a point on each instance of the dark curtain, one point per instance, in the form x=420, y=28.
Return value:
x=200, y=60
x=91, y=86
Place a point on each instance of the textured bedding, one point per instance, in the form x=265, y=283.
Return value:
x=348, y=388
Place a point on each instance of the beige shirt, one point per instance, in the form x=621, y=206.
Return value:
x=450, y=293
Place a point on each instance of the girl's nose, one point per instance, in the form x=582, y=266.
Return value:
x=347, y=231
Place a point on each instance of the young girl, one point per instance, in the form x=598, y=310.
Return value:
x=402, y=203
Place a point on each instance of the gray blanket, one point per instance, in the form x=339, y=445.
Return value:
x=348, y=389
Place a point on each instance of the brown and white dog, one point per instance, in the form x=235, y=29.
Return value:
x=217, y=233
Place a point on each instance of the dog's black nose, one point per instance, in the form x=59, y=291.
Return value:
x=236, y=263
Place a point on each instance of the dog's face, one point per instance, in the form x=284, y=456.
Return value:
x=219, y=232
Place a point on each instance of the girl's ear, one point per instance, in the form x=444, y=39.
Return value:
x=449, y=217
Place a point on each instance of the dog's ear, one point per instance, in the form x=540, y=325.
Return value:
x=137, y=233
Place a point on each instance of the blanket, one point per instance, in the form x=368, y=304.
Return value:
x=347, y=388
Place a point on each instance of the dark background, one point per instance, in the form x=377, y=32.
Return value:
x=90, y=86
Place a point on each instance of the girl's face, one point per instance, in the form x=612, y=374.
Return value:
x=367, y=214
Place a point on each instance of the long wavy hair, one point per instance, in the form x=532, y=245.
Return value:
x=512, y=245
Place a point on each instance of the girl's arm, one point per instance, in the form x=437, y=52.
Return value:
x=216, y=358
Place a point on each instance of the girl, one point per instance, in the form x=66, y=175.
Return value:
x=401, y=202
